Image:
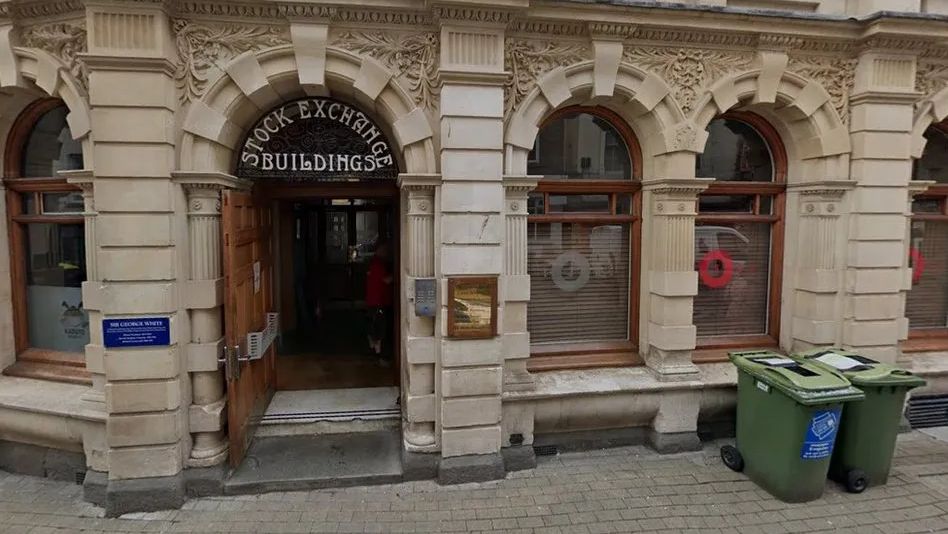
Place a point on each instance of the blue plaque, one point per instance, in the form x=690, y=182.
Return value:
x=821, y=434
x=136, y=332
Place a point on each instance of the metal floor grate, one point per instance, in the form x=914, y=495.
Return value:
x=927, y=411
x=545, y=450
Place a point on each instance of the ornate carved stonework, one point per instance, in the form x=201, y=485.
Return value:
x=688, y=71
x=203, y=47
x=411, y=56
x=931, y=77
x=836, y=75
x=64, y=40
x=527, y=61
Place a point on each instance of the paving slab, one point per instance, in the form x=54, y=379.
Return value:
x=622, y=490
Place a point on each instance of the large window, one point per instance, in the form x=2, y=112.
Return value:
x=47, y=244
x=582, y=241
x=926, y=306
x=739, y=234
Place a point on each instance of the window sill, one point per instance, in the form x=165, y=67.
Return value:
x=562, y=357
x=917, y=344
x=715, y=350
x=51, y=366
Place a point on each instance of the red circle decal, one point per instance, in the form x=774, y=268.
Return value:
x=716, y=280
x=918, y=264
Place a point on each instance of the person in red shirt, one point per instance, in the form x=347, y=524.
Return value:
x=378, y=302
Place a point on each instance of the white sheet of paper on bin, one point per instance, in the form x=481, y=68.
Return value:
x=776, y=361
x=843, y=363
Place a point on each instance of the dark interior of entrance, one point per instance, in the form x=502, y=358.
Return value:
x=325, y=249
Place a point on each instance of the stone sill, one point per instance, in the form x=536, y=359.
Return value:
x=926, y=364
x=573, y=383
x=48, y=398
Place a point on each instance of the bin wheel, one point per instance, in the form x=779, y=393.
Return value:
x=856, y=481
x=732, y=458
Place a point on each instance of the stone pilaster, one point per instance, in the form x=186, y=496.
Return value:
x=671, y=280
x=882, y=109
x=418, y=376
x=204, y=300
x=141, y=222
x=817, y=268
x=471, y=234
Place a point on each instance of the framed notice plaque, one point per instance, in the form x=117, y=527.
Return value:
x=472, y=307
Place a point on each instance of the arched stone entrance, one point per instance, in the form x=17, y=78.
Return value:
x=222, y=150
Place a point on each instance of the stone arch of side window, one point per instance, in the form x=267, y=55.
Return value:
x=817, y=144
x=643, y=99
x=254, y=82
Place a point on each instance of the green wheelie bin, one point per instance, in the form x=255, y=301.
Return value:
x=788, y=412
x=868, y=431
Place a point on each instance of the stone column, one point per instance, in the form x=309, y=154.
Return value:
x=817, y=274
x=420, y=354
x=471, y=234
x=141, y=220
x=876, y=272
x=204, y=301
x=672, y=281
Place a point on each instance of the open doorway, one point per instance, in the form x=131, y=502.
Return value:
x=332, y=307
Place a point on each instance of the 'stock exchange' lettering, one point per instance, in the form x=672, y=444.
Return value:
x=378, y=154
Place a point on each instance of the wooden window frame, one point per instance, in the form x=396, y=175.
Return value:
x=33, y=363
x=715, y=349
x=930, y=339
x=579, y=355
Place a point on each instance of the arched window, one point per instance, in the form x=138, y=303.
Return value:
x=45, y=217
x=926, y=305
x=583, y=236
x=739, y=234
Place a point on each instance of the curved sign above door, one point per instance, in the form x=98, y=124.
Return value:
x=316, y=140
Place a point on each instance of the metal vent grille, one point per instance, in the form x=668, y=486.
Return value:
x=545, y=450
x=927, y=411
x=80, y=477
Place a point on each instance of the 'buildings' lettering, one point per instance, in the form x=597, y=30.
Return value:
x=379, y=154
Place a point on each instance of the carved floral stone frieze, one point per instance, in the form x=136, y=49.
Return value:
x=527, y=61
x=688, y=71
x=203, y=48
x=414, y=57
x=836, y=75
x=931, y=77
x=64, y=40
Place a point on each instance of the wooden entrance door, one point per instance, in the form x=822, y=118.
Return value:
x=249, y=324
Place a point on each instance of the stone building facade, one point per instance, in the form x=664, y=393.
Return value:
x=648, y=186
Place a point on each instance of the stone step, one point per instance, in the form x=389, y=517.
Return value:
x=48, y=371
x=333, y=411
x=299, y=463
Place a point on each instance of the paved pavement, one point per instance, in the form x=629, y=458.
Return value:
x=620, y=490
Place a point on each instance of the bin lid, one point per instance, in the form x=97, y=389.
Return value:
x=803, y=381
x=862, y=371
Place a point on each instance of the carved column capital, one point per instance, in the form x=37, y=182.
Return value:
x=418, y=182
x=916, y=187
x=821, y=198
x=677, y=188
x=520, y=186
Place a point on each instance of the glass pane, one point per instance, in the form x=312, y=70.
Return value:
x=28, y=203
x=733, y=263
x=933, y=165
x=535, y=204
x=726, y=204
x=580, y=203
x=735, y=152
x=50, y=147
x=337, y=237
x=579, y=146
x=926, y=205
x=579, y=285
x=63, y=202
x=367, y=234
x=55, y=270
x=624, y=205
x=926, y=305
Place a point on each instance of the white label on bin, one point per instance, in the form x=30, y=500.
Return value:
x=763, y=387
x=838, y=361
x=776, y=361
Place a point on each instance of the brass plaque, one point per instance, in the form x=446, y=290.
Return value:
x=473, y=307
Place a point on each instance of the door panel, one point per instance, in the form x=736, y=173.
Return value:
x=248, y=298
